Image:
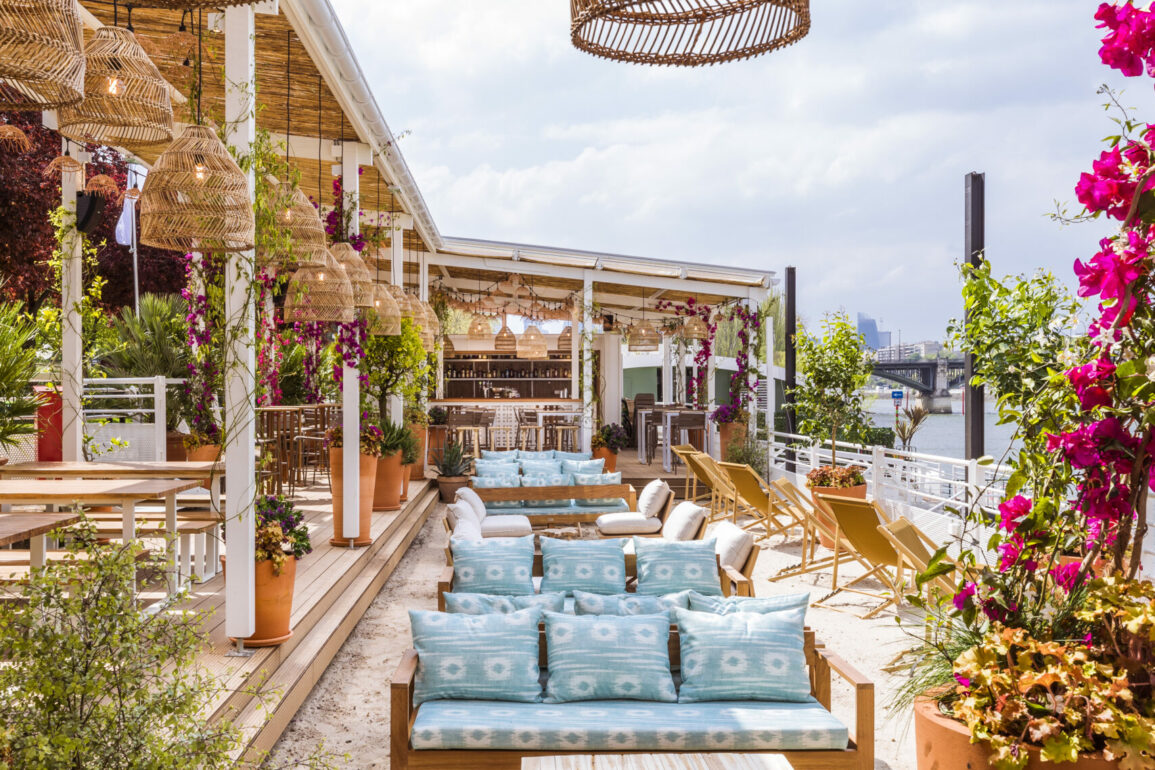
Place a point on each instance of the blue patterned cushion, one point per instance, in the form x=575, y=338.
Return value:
x=485, y=604
x=544, y=455
x=666, y=567
x=583, y=466
x=596, y=657
x=508, y=455
x=597, y=566
x=743, y=656
x=539, y=467
x=495, y=565
x=627, y=726
x=596, y=479
x=545, y=480
x=726, y=605
x=494, y=468
x=627, y=604
x=560, y=455
x=498, y=482
x=483, y=657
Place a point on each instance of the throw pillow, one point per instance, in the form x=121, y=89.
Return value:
x=507, y=454
x=727, y=605
x=732, y=544
x=498, y=482
x=543, y=480
x=495, y=565
x=485, y=604
x=653, y=498
x=597, y=566
x=583, y=466
x=471, y=498
x=666, y=567
x=494, y=468
x=535, y=456
x=476, y=657
x=597, y=479
x=684, y=521
x=743, y=656
x=560, y=455
x=539, y=467
x=601, y=657
x=626, y=604
x=467, y=529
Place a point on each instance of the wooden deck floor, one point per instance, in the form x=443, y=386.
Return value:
x=334, y=586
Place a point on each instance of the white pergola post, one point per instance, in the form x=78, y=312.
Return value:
x=350, y=380
x=667, y=394
x=768, y=378
x=587, y=364
x=711, y=397
x=574, y=352
x=240, y=366
x=397, y=278
x=613, y=373
x=72, y=349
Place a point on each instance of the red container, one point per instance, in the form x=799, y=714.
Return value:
x=49, y=426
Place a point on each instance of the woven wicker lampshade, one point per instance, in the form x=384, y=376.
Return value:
x=686, y=33
x=643, y=338
x=405, y=304
x=426, y=320
x=531, y=344
x=504, y=341
x=320, y=294
x=447, y=346
x=695, y=329
x=306, y=232
x=41, y=54
x=479, y=329
x=359, y=275
x=565, y=339
x=196, y=198
x=13, y=139
x=126, y=102
x=181, y=5
x=386, y=315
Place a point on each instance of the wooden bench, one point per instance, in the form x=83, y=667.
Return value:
x=582, y=492
x=858, y=754
x=197, y=538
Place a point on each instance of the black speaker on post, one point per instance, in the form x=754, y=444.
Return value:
x=89, y=211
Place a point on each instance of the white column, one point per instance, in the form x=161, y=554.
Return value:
x=72, y=350
x=240, y=366
x=350, y=382
x=613, y=375
x=587, y=365
x=667, y=394
x=574, y=352
x=768, y=378
x=397, y=278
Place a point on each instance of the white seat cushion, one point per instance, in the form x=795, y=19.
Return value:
x=732, y=544
x=468, y=529
x=684, y=521
x=506, y=525
x=653, y=498
x=473, y=500
x=627, y=524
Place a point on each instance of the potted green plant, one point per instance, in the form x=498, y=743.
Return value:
x=731, y=421
x=452, y=471
x=18, y=402
x=437, y=431
x=387, y=492
x=281, y=539
x=409, y=446
x=610, y=439
x=418, y=420
x=370, y=446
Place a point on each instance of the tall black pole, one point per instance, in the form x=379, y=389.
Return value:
x=791, y=363
x=974, y=245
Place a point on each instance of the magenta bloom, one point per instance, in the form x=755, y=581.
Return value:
x=1091, y=381
x=964, y=596
x=1065, y=575
x=1013, y=511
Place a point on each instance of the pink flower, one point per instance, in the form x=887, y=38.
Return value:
x=964, y=596
x=1088, y=381
x=1012, y=512
x=1065, y=574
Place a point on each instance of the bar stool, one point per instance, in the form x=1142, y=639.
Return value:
x=684, y=427
x=565, y=434
x=483, y=419
x=464, y=429
x=527, y=429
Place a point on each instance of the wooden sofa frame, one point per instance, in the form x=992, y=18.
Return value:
x=582, y=492
x=859, y=753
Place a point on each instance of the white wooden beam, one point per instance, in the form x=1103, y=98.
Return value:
x=350, y=380
x=240, y=366
x=71, y=295
x=587, y=365
x=397, y=278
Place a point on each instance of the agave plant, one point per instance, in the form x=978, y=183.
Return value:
x=454, y=462
x=18, y=366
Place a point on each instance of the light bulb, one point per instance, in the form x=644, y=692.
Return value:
x=321, y=276
x=199, y=170
x=287, y=216
x=114, y=85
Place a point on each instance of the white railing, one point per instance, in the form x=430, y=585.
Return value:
x=125, y=418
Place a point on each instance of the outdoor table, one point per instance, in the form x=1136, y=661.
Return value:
x=15, y=527
x=125, y=493
x=658, y=762
x=541, y=414
x=202, y=470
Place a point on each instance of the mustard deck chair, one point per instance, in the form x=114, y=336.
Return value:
x=917, y=550
x=856, y=524
x=730, y=503
x=691, y=490
x=696, y=462
x=760, y=502
x=792, y=500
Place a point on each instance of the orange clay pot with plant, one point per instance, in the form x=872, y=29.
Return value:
x=841, y=482
x=367, y=477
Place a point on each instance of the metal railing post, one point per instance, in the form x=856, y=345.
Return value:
x=160, y=416
x=878, y=457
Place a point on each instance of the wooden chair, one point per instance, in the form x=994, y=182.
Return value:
x=917, y=550
x=726, y=500
x=688, y=427
x=794, y=503
x=856, y=525
x=703, y=477
x=690, y=490
x=465, y=431
x=759, y=502
x=529, y=433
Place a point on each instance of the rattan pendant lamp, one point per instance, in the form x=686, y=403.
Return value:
x=686, y=33
x=321, y=294
x=565, y=339
x=531, y=344
x=359, y=276
x=504, y=341
x=480, y=329
x=41, y=54
x=643, y=337
x=126, y=101
x=695, y=329
x=386, y=315
x=196, y=198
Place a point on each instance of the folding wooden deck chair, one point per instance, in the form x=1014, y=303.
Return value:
x=703, y=477
x=917, y=550
x=728, y=502
x=760, y=502
x=856, y=526
x=795, y=503
x=691, y=489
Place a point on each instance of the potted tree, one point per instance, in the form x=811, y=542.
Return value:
x=437, y=431
x=610, y=439
x=387, y=491
x=409, y=448
x=281, y=539
x=418, y=420
x=452, y=471
x=370, y=446
x=396, y=366
x=731, y=420
x=18, y=402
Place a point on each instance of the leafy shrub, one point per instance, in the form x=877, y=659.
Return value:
x=837, y=478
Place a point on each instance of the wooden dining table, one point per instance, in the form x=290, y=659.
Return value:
x=206, y=470
x=17, y=527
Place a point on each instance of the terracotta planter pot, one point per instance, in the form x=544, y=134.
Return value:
x=273, y=602
x=436, y=436
x=406, y=477
x=368, y=479
x=1100, y=567
x=387, y=495
x=447, y=487
x=611, y=459
x=728, y=433
x=858, y=493
x=174, y=449
x=942, y=743
x=208, y=453
x=418, y=471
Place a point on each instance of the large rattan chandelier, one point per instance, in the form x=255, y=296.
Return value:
x=303, y=240
x=196, y=198
x=386, y=315
x=686, y=33
x=320, y=294
x=532, y=345
x=479, y=329
x=504, y=341
x=565, y=339
x=126, y=101
x=41, y=54
x=695, y=329
x=359, y=275
x=643, y=338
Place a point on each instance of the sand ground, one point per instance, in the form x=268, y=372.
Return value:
x=349, y=708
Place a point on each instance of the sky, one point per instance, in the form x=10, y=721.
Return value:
x=843, y=155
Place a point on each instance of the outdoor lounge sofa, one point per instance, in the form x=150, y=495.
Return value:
x=550, y=487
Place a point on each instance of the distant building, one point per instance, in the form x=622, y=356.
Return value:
x=868, y=328
x=892, y=354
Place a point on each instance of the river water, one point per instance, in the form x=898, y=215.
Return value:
x=945, y=434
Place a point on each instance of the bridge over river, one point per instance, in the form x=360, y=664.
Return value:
x=932, y=380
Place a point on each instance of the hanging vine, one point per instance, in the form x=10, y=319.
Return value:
x=696, y=390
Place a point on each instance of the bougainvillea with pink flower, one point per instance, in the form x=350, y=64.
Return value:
x=696, y=391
